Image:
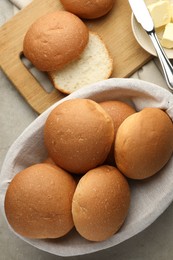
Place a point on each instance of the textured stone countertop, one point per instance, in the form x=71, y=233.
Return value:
x=154, y=243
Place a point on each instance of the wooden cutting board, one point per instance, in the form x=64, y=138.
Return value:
x=114, y=28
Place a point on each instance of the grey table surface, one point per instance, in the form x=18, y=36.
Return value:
x=154, y=243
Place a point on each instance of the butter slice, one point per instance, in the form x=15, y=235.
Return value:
x=160, y=13
x=167, y=40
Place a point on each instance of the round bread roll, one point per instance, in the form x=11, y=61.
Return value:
x=100, y=203
x=118, y=111
x=38, y=202
x=54, y=40
x=88, y=9
x=78, y=135
x=144, y=143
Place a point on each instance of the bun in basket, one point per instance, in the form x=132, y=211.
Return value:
x=118, y=111
x=54, y=40
x=100, y=203
x=38, y=202
x=88, y=9
x=144, y=143
x=93, y=65
x=78, y=135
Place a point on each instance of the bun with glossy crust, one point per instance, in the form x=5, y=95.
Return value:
x=88, y=9
x=100, y=203
x=144, y=143
x=78, y=135
x=118, y=111
x=38, y=202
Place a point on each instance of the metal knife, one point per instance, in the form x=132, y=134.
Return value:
x=143, y=16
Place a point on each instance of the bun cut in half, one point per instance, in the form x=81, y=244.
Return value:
x=93, y=65
x=100, y=203
x=144, y=143
x=88, y=9
x=38, y=202
x=78, y=135
x=54, y=40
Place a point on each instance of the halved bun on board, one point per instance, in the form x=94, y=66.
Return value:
x=54, y=40
x=93, y=65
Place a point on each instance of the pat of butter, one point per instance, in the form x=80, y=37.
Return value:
x=160, y=13
x=167, y=40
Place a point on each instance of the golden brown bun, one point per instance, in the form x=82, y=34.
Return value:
x=100, y=203
x=88, y=9
x=118, y=111
x=78, y=135
x=38, y=202
x=54, y=40
x=144, y=143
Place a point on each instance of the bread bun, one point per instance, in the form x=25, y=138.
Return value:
x=54, y=40
x=38, y=202
x=88, y=9
x=78, y=135
x=100, y=203
x=144, y=143
x=93, y=65
x=118, y=111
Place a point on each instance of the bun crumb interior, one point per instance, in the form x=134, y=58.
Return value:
x=93, y=65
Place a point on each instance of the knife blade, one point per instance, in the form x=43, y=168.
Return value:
x=142, y=14
x=143, y=17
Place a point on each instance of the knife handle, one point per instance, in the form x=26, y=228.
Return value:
x=165, y=63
